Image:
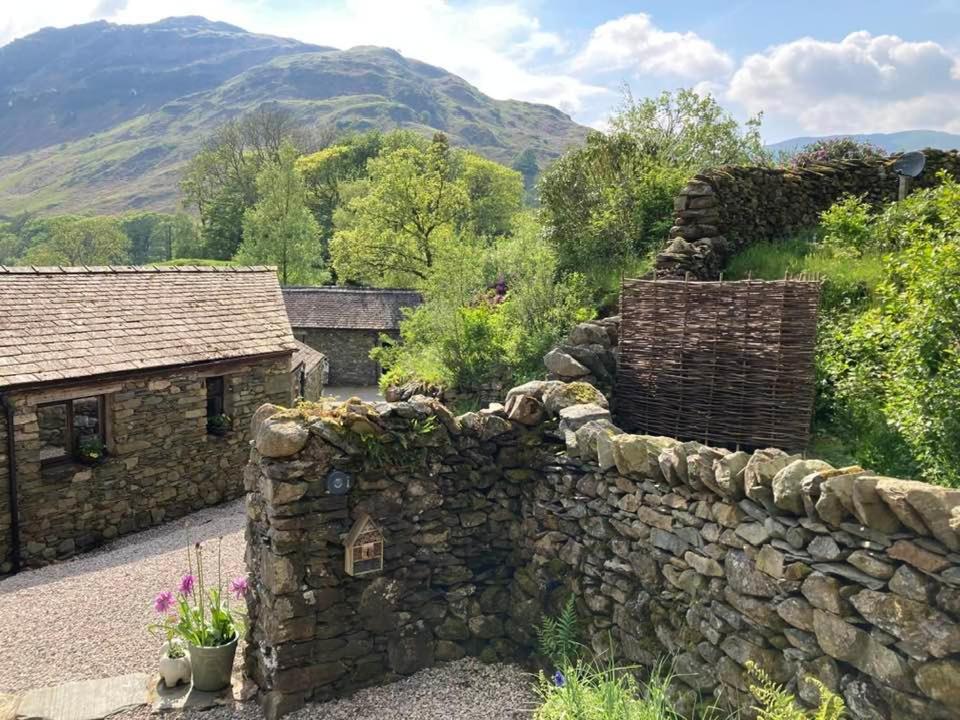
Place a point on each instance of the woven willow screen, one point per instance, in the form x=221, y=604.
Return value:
x=724, y=363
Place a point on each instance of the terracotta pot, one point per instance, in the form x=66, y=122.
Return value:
x=173, y=671
x=212, y=666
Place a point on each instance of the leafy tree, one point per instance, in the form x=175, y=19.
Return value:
x=526, y=164
x=280, y=230
x=81, y=241
x=830, y=150
x=494, y=195
x=221, y=180
x=610, y=202
x=390, y=233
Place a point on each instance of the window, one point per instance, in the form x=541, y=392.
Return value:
x=71, y=429
x=218, y=422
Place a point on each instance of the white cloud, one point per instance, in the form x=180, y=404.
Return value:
x=634, y=43
x=864, y=83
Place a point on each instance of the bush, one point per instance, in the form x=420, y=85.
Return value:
x=833, y=150
x=777, y=704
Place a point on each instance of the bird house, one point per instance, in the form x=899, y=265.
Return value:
x=364, y=547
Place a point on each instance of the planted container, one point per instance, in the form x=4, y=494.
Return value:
x=212, y=666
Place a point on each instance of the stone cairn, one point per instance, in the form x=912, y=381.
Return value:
x=723, y=209
x=491, y=519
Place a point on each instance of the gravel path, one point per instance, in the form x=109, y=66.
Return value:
x=461, y=690
x=86, y=617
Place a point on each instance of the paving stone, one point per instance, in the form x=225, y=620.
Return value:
x=86, y=699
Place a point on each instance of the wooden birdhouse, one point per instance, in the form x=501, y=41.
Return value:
x=364, y=547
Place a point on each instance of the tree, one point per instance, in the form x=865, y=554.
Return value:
x=153, y=236
x=280, y=230
x=82, y=241
x=494, y=195
x=526, y=164
x=389, y=233
x=221, y=180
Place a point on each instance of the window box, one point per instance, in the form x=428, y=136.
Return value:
x=73, y=430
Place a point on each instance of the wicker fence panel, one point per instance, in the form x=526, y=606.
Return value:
x=724, y=363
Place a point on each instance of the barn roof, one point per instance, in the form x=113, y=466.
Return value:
x=62, y=323
x=348, y=308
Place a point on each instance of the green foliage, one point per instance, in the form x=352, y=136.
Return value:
x=280, y=230
x=594, y=692
x=777, y=704
x=159, y=237
x=610, y=202
x=559, y=638
x=70, y=240
x=830, y=150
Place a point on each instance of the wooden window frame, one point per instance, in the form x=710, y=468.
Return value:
x=71, y=454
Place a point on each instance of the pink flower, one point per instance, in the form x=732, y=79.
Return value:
x=163, y=602
x=186, y=584
x=238, y=586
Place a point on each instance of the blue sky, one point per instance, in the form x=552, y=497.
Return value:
x=812, y=67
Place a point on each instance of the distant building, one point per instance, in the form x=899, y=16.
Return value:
x=345, y=324
x=127, y=396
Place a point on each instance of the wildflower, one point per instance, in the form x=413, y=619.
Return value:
x=558, y=679
x=163, y=601
x=238, y=586
x=186, y=584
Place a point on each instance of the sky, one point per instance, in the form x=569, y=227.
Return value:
x=812, y=67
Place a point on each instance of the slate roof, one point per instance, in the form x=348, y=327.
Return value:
x=347, y=308
x=306, y=355
x=65, y=323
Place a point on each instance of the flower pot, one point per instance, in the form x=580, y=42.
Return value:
x=212, y=666
x=174, y=670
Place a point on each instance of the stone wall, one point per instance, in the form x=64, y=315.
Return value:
x=5, y=564
x=161, y=461
x=723, y=209
x=348, y=352
x=714, y=557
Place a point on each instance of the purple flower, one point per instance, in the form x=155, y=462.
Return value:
x=558, y=679
x=163, y=602
x=186, y=584
x=238, y=586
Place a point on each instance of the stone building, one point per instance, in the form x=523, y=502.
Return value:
x=309, y=372
x=345, y=324
x=127, y=396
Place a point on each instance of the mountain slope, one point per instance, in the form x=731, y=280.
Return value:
x=102, y=118
x=903, y=141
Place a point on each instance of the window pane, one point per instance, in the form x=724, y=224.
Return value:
x=86, y=419
x=214, y=396
x=52, y=420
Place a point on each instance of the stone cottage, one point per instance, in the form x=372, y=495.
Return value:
x=345, y=324
x=127, y=394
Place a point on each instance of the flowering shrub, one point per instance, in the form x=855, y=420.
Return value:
x=833, y=150
x=196, y=614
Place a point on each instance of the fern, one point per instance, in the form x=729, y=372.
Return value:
x=559, y=637
x=777, y=704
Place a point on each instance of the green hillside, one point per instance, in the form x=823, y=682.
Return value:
x=135, y=161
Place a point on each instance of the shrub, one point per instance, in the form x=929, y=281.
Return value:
x=777, y=704
x=558, y=637
x=833, y=150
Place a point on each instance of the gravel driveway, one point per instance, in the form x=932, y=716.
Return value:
x=86, y=617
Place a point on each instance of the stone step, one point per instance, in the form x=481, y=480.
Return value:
x=85, y=699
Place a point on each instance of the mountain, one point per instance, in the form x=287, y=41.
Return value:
x=101, y=118
x=891, y=142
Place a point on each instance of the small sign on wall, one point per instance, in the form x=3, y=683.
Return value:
x=364, y=548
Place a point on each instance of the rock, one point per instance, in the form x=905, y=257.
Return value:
x=262, y=413
x=281, y=437
x=938, y=507
x=894, y=493
x=587, y=435
x=760, y=469
x=787, y=483
x=824, y=547
x=912, y=584
x=574, y=417
x=870, y=509
x=770, y=561
x=867, y=563
x=564, y=365
x=836, y=499
x=847, y=643
x=745, y=579
x=410, y=649
x=796, y=612
x=742, y=651
x=588, y=333
x=823, y=669
x=811, y=484
x=673, y=464
x=640, y=454
x=525, y=409
x=492, y=426
x=917, y=556
x=940, y=681
x=913, y=622
x=849, y=573
x=728, y=474
x=823, y=592
x=606, y=458
x=863, y=701
x=753, y=533
x=703, y=565
x=560, y=395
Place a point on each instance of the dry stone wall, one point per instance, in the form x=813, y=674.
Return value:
x=491, y=519
x=723, y=209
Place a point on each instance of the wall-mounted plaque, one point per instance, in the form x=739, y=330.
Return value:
x=364, y=547
x=339, y=482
